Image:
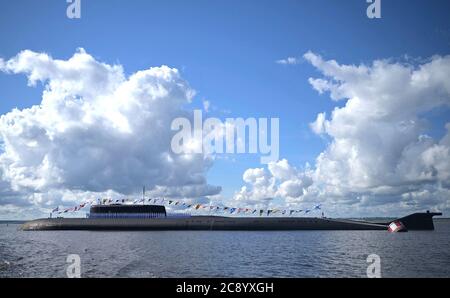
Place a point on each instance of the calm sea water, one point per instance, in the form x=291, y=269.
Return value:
x=225, y=254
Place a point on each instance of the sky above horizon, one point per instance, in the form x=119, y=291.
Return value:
x=364, y=104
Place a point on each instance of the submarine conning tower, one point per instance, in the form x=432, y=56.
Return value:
x=419, y=221
x=127, y=211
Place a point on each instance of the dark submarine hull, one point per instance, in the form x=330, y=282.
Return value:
x=417, y=221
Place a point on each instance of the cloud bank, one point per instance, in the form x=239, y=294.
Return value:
x=96, y=130
x=281, y=180
x=379, y=153
x=99, y=131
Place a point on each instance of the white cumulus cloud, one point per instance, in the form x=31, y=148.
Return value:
x=96, y=130
x=279, y=180
x=379, y=152
x=379, y=136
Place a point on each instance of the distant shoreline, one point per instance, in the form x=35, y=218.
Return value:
x=4, y=222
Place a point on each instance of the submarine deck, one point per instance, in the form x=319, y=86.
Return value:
x=200, y=223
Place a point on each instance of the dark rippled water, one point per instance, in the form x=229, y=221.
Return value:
x=225, y=254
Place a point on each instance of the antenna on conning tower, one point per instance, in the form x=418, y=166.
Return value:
x=143, y=195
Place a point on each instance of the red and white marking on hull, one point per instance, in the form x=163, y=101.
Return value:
x=396, y=226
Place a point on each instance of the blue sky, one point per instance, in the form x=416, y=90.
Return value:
x=227, y=50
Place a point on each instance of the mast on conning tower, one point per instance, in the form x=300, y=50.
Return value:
x=143, y=195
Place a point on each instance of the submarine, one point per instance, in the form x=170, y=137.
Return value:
x=156, y=218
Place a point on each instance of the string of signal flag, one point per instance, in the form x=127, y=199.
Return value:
x=207, y=207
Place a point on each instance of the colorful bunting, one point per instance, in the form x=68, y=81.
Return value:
x=231, y=210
